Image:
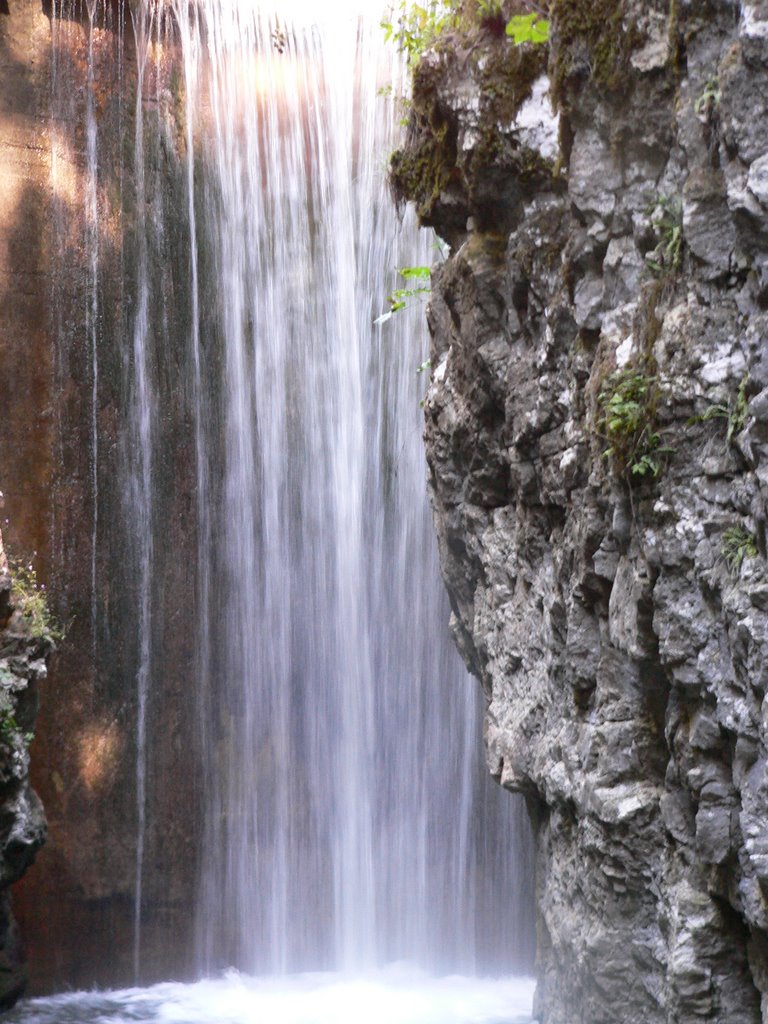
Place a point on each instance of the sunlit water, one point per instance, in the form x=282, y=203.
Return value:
x=395, y=996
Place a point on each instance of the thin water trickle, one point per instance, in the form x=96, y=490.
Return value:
x=141, y=414
x=92, y=308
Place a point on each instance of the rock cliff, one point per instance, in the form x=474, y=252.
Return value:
x=67, y=294
x=597, y=438
x=24, y=646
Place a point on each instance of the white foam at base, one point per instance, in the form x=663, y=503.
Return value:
x=394, y=996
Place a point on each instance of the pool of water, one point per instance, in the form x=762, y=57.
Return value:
x=395, y=996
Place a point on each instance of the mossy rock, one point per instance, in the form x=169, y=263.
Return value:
x=448, y=183
x=505, y=75
x=421, y=170
x=594, y=38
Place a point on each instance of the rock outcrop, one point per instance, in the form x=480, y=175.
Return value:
x=597, y=432
x=24, y=646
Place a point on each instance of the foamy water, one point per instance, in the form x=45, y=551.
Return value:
x=394, y=996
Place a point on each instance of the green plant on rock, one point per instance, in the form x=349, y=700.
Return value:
x=628, y=402
x=9, y=727
x=30, y=599
x=708, y=101
x=735, y=412
x=414, y=27
x=738, y=544
x=667, y=219
x=10, y=730
x=528, y=28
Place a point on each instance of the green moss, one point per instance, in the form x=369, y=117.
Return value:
x=591, y=34
x=506, y=76
x=421, y=171
x=535, y=170
x=429, y=164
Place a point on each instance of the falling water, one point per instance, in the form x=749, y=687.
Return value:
x=92, y=310
x=348, y=819
x=349, y=822
x=141, y=414
x=187, y=21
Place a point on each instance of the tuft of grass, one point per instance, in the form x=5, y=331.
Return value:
x=734, y=413
x=667, y=219
x=30, y=599
x=738, y=544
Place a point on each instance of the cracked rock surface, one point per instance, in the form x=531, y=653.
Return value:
x=22, y=820
x=615, y=610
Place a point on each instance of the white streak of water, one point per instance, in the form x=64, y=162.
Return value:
x=92, y=310
x=140, y=501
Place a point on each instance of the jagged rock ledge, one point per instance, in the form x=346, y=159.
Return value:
x=23, y=653
x=610, y=296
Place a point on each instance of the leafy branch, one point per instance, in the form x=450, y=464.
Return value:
x=414, y=27
x=398, y=299
x=528, y=28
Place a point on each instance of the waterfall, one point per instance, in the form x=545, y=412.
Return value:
x=347, y=820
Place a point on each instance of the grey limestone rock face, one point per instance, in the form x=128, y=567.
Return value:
x=23, y=656
x=617, y=620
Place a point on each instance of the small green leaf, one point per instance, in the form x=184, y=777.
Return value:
x=414, y=271
x=528, y=28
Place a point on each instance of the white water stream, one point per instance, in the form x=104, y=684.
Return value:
x=349, y=823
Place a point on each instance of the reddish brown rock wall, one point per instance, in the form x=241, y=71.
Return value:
x=76, y=908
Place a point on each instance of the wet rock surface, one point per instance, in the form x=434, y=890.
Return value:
x=64, y=494
x=23, y=653
x=606, y=564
